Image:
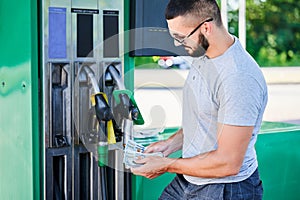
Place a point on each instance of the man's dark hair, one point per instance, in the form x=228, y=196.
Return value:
x=202, y=9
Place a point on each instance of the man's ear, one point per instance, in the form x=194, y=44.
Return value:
x=206, y=29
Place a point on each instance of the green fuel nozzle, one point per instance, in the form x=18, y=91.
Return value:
x=127, y=106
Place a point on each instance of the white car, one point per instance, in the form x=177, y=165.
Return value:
x=181, y=62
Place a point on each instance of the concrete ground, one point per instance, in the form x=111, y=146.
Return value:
x=284, y=103
x=159, y=95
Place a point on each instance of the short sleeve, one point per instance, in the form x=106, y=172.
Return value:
x=240, y=97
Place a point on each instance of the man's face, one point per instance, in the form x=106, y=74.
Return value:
x=180, y=27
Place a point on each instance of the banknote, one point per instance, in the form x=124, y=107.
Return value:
x=134, y=146
x=134, y=151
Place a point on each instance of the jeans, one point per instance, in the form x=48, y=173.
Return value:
x=179, y=188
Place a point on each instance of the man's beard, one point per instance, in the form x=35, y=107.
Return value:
x=202, y=47
x=203, y=42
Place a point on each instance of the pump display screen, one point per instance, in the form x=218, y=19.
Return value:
x=110, y=33
x=84, y=35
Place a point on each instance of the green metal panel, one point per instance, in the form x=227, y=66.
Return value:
x=128, y=61
x=278, y=156
x=19, y=142
x=279, y=160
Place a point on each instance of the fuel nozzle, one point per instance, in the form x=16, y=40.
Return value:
x=127, y=107
x=104, y=116
x=103, y=111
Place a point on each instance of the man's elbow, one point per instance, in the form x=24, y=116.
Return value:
x=232, y=168
x=227, y=171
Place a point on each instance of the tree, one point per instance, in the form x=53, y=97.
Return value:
x=273, y=31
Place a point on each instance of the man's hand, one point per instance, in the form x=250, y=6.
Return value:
x=161, y=146
x=152, y=166
x=172, y=144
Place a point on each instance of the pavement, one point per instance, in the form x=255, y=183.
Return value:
x=282, y=75
x=176, y=77
x=159, y=95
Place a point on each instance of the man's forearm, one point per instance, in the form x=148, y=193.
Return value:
x=209, y=165
x=175, y=141
x=226, y=160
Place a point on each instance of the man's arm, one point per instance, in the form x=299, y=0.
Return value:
x=226, y=160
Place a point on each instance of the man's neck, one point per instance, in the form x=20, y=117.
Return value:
x=219, y=43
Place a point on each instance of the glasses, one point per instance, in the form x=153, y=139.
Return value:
x=181, y=41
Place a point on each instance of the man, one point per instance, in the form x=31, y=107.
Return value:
x=224, y=98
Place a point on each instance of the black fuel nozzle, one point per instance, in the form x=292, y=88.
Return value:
x=103, y=111
x=105, y=117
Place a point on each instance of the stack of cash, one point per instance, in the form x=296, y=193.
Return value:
x=134, y=151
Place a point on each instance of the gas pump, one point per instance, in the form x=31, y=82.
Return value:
x=88, y=113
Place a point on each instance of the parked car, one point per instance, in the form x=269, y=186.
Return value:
x=180, y=62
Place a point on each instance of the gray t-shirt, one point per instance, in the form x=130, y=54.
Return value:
x=229, y=89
